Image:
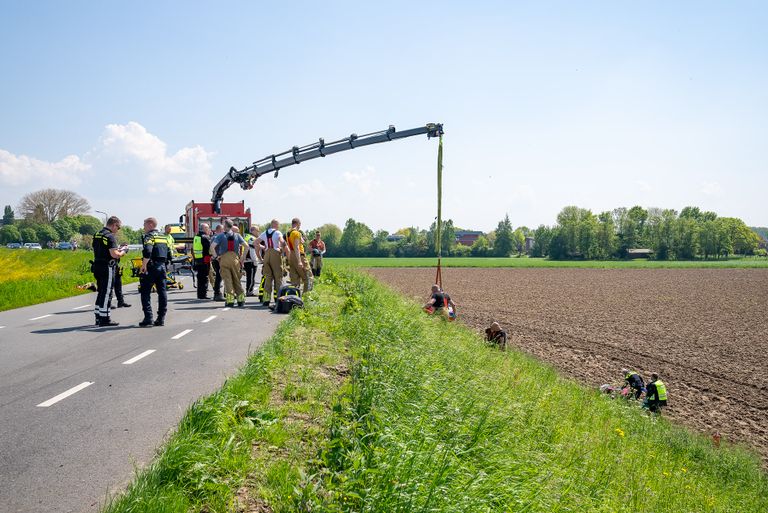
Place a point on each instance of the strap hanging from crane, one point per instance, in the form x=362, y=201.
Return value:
x=439, y=231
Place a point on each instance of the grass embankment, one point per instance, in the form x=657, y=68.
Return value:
x=525, y=262
x=362, y=403
x=30, y=277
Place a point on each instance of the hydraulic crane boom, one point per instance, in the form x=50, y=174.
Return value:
x=247, y=177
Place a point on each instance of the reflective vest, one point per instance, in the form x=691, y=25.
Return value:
x=661, y=390
x=197, y=247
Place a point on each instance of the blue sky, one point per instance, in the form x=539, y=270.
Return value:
x=142, y=106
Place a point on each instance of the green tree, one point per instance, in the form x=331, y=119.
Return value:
x=356, y=239
x=8, y=215
x=9, y=233
x=542, y=237
x=518, y=240
x=27, y=234
x=46, y=233
x=480, y=248
x=686, y=238
x=64, y=229
x=447, y=238
x=86, y=225
x=504, y=243
x=331, y=235
x=605, y=236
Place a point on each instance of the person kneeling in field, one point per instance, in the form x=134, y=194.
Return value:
x=634, y=381
x=496, y=335
x=441, y=303
x=656, y=395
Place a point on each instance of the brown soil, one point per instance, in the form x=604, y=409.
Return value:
x=705, y=331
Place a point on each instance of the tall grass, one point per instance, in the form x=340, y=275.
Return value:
x=425, y=417
x=31, y=277
x=525, y=262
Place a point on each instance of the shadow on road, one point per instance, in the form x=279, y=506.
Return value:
x=87, y=327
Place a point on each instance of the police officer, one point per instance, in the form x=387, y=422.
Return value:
x=155, y=255
x=105, y=257
x=201, y=252
x=656, y=394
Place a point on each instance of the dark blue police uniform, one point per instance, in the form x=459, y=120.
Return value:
x=157, y=251
x=104, y=269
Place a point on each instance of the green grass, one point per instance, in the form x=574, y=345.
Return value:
x=525, y=262
x=31, y=277
x=362, y=403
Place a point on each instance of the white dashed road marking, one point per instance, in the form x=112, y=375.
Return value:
x=41, y=317
x=64, y=395
x=81, y=307
x=139, y=357
x=177, y=337
x=209, y=319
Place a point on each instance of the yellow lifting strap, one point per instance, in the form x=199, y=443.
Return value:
x=438, y=234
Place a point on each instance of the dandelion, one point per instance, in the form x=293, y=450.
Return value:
x=684, y=470
x=619, y=432
x=666, y=474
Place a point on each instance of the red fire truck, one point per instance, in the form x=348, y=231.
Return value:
x=202, y=212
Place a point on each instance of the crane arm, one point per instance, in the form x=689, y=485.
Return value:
x=247, y=176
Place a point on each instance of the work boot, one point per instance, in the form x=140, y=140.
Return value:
x=106, y=321
x=218, y=297
x=241, y=304
x=123, y=304
x=146, y=323
x=265, y=303
x=160, y=321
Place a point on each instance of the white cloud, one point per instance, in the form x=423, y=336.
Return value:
x=17, y=170
x=710, y=189
x=643, y=186
x=313, y=189
x=185, y=172
x=365, y=180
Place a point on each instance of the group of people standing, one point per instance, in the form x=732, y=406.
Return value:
x=221, y=256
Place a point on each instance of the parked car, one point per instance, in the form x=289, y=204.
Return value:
x=64, y=245
x=13, y=245
x=32, y=245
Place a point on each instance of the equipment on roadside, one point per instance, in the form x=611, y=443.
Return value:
x=172, y=269
x=288, y=298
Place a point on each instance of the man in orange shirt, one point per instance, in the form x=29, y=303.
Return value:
x=318, y=250
x=297, y=259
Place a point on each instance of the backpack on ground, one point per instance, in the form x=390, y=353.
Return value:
x=288, y=297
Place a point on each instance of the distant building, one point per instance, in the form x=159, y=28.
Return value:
x=529, y=242
x=395, y=237
x=639, y=253
x=467, y=237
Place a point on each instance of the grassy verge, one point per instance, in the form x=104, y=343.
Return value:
x=362, y=403
x=32, y=277
x=524, y=262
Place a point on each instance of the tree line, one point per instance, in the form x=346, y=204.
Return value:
x=53, y=215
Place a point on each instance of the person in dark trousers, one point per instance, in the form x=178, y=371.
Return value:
x=496, y=335
x=119, y=287
x=251, y=259
x=215, y=277
x=105, y=257
x=635, y=381
x=155, y=254
x=656, y=394
x=201, y=252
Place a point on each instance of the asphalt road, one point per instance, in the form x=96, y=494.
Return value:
x=81, y=406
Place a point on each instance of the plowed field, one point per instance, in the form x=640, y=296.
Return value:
x=705, y=331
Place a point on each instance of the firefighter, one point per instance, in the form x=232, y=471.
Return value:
x=273, y=242
x=634, y=381
x=215, y=276
x=656, y=394
x=229, y=247
x=251, y=259
x=105, y=257
x=155, y=255
x=297, y=260
x=318, y=251
x=201, y=252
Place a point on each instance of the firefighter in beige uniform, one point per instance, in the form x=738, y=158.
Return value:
x=273, y=242
x=297, y=259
